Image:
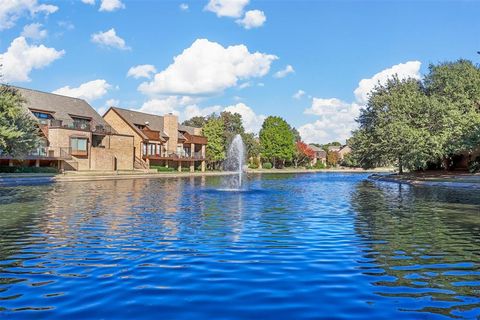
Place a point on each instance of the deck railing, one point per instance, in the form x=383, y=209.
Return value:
x=92, y=126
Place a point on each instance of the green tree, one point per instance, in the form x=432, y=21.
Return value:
x=296, y=134
x=397, y=127
x=197, y=122
x=233, y=125
x=277, y=141
x=456, y=86
x=251, y=144
x=214, y=131
x=19, y=133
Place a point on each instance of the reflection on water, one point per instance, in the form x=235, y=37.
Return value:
x=294, y=246
x=424, y=243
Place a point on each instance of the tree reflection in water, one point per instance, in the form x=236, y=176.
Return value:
x=424, y=243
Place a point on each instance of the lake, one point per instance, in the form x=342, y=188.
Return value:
x=293, y=246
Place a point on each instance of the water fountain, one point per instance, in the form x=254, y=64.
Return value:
x=235, y=162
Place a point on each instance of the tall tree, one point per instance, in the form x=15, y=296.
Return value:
x=456, y=86
x=233, y=125
x=214, y=131
x=251, y=144
x=19, y=133
x=397, y=127
x=277, y=141
x=197, y=122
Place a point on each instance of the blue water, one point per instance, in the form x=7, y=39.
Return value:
x=316, y=246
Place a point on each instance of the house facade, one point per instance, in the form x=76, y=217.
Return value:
x=344, y=150
x=73, y=136
x=320, y=155
x=160, y=140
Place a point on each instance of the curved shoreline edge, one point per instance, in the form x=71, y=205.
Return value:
x=392, y=178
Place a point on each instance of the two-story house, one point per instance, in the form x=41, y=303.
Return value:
x=160, y=140
x=74, y=136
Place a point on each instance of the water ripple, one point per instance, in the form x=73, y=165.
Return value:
x=317, y=246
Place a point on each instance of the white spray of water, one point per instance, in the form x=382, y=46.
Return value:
x=235, y=162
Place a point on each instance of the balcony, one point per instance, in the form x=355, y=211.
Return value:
x=179, y=156
x=46, y=153
x=91, y=126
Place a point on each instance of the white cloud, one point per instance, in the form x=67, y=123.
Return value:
x=111, y=5
x=34, y=31
x=194, y=111
x=251, y=121
x=112, y=103
x=12, y=10
x=244, y=85
x=183, y=6
x=252, y=19
x=89, y=91
x=299, y=94
x=141, y=71
x=335, y=123
x=207, y=67
x=90, y=2
x=337, y=117
x=161, y=106
x=284, y=72
x=109, y=39
x=227, y=8
x=66, y=25
x=410, y=69
x=21, y=58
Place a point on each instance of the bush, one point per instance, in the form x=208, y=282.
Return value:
x=20, y=169
x=267, y=165
x=320, y=165
x=253, y=166
x=162, y=168
x=474, y=165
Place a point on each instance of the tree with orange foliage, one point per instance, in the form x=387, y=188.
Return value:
x=303, y=153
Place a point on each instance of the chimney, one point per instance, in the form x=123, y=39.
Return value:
x=170, y=126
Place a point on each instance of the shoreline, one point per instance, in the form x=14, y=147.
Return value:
x=33, y=178
x=459, y=181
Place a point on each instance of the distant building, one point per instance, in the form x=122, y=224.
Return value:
x=344, y=150
x=160, y=140
x=73, y=136
x=320, y=155
x=334, y=148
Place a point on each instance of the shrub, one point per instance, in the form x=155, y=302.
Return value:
x=267, y=165
x=20, y=169
x=320, y=165
x=253, y=166
x=162, y=168
x=474, y=165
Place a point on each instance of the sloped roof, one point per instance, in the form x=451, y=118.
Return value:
x=134, y=117
x=315, y=148
x=334, y=148
x=61, y=107
x=190, y=130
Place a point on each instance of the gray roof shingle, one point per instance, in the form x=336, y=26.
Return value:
x=61, y=107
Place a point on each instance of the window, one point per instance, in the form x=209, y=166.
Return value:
x=78, y=145
x=151, y=149
x=140, y=126
x=81, y=123
x=42, y=116
x=144, y=149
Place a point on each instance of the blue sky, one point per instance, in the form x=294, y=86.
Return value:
x=250, y=57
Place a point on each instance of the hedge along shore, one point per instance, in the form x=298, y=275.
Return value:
x=464, y=181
